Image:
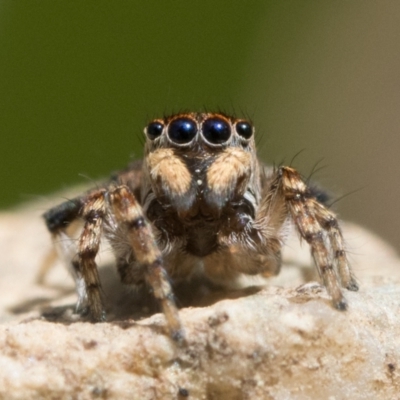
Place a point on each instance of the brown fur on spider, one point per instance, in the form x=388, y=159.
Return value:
x=200, y=202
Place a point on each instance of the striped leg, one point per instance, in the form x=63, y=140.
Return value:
x=329, y=222
x=129, y=215
x=93, y=213
x=81, y=258
x=319, y=227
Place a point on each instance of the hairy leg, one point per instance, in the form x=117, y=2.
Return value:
x=129, y=214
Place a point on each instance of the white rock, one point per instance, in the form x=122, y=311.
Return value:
x=283, y=342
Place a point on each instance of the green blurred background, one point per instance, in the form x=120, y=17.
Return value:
x=79, y=80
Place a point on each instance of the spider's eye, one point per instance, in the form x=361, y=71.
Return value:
x=216, y=130
x=182, y=130
x=244, y=129
x=154, y=130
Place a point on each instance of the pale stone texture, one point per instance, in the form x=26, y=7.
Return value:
x=282, y=342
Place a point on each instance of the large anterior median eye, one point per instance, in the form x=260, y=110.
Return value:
x=154, y=130
x=182, y=130
x=216, y=130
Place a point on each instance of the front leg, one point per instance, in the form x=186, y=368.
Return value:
x=289, y=196
x=129, y=214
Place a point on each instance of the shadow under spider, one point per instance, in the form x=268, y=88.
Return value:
x=127, y=303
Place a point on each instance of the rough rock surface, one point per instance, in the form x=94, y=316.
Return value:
x=282, y=342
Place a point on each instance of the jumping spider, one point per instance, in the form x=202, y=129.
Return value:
x=200, y=201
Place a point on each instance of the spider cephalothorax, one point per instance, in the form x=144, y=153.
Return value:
x=200, y=202
x=199, y=175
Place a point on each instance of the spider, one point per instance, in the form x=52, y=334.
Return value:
x=199, y=202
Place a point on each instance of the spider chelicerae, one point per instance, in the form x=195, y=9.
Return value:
x=199, y=202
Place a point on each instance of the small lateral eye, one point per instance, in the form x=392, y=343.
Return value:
x=154, y=130
x=182, y=130
x=216, y=130
x=244, y=129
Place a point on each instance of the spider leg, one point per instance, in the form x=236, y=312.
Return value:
x=46, y=265
x=128, y=213
x=93, y=213
x=81, y=257
x=59, y=217
x=290, y=196
x=58, y=221
x=330, y=223
x=319, y=227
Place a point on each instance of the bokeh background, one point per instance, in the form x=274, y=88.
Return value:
x=80, y=79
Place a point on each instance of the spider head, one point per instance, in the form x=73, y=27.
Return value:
x=198, y=163
x=194, y=131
